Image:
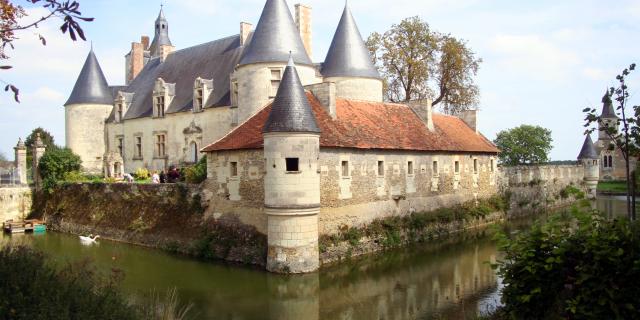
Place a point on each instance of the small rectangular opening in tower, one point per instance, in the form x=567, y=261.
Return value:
x=381, y=168
x=475, y=166
x=345, y=168
x=434, y=168
x=456, y=167
x=234, y=169
x=292, y=164
x=410, y=167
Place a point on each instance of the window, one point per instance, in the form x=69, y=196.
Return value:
x=475, y=166
x=193, y=154
x=119, y=112
x=345, y=168
x=199, y=100
x=160, y=106
x=381, y=168
x=234, y=169
x=434, y=168
x=234, y=94
x=610, y=162
x=160, y=145
x=121, y=146
x=292, y=164
x=492, y=165
x=410, y=167
x=276, y=76
x=456, y=166
x=138, y=147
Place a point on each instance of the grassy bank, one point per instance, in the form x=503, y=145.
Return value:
x=612, y=187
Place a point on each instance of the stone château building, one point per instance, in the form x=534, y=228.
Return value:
x=294, y=148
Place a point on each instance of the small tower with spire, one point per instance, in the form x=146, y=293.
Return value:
x=86, y=110
x=349, y=65
x=588, y=157
x=292, y=180
x=608, y=117
x=161, y=44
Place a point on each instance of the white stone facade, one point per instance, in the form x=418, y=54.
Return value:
x=85, y=133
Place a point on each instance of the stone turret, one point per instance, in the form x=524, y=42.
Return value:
x=86, y=110
x=37, y=151
x=292, y=180
x=589, y=159
x=608, y=118
x=21, y=161
x=161, y=44
x=261, y=67
x=349, y=64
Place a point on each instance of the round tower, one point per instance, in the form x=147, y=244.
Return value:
x=292, y=180
x=261, y=67
x=86, y=110
x=588, y=157
x=608, y=119
x=348, y=63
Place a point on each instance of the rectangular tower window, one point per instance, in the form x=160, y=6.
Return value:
x=410, y=167
x=160, y=145
x=276, y=76
x=492, y=165
x=475, y=166
x=234, y=169
x=456, y=167
x=292, y=164
x=345, y=168
x=139, y=147
x=198, y=105
x=381, y=168
x=234, y=93
x=160, y=106
x=434, y=168
x=121, y=146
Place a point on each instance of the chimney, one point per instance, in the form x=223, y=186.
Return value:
x=165, y=50
x=422, y=108
x=325, y=92
x=245, y=30
x=470, y=117
x=145, y=42
x=136, y=61
x=303, y=21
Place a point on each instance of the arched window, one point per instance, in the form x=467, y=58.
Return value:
x=610, y=162
x=193, y=154
x=604, y=161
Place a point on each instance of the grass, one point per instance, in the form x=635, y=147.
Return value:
x=612, y=186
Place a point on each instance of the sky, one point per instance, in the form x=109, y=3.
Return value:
x=543, y=61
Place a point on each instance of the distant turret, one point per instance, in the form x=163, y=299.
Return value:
x=608, y=117
x=260, y=71
x=589, y=159
x=349, y=64
x=161, y=44
x=86, y=110
x=292, y=179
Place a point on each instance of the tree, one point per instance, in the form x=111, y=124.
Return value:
x=525, y=144
x=46, y=138
x=417, y=63
x=626, y=140
x=3, y=157
x=55, y=163
x=11, y=22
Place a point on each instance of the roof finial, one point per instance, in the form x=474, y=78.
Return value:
x=290, y=63
x=91, y=45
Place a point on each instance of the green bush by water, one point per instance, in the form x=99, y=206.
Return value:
x=577, y=265
x=196, y=173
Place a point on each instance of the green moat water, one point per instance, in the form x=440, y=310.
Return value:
x=449, y=279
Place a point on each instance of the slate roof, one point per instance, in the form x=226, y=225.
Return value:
x=607, y=107
x=290, y=110
x=275, y=36
x=348, y=55
x=369, y=125
x=91, y=86
x=212, y=60
x=161, y=35
x=588, y=150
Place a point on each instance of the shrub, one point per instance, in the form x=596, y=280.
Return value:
x=75, y=176
x=196, y=173
x=142, y=174
x=55, y=163
x=575, y=266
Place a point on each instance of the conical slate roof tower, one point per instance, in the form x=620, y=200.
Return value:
x=91, y=86
x=161, y=36
x=275, y=37
x=607, y=107
x=348, y=55
x=291, y=111
x=588, y=150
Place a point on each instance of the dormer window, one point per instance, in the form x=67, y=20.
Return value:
x=163, y=93
x=122, y=102
x=201, y=90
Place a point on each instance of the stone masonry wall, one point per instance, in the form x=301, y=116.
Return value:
x=15, y=203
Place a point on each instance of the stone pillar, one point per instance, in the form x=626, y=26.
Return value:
x=591, y=176
x=292, y=201
x=21, y=162
x=37, y=151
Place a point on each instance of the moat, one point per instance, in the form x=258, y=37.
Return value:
x=450, y=279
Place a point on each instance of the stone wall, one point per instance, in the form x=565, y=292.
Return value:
x=15, y=202
x=366, y=89
x=85, y=135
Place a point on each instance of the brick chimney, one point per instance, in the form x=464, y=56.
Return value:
x=470, y=117
x=136, y=60
x=245, y=30
x=145, y=42
x=303, y=21
x=423, y=109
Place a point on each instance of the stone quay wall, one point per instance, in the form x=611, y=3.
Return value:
x=15, y=202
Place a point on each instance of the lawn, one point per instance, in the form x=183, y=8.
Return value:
x=612, y=186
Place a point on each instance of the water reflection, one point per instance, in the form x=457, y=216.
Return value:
x=448, y=279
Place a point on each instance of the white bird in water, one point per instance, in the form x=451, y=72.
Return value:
x=89, y=240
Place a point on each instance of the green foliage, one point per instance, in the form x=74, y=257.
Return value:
x=142, y=174
x=575, y=266
x=196, y=173
x=75, y=176
x=55, y=164
x=46, y=138
x=569, y=191
x=525, y=144
x=417, y=63
x=32, y=289
x=3, y=157
x=165, y=307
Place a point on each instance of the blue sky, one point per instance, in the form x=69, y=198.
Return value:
x=544, y=61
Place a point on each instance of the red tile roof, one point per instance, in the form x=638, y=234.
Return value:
x=369, y=125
